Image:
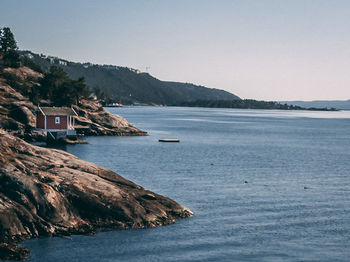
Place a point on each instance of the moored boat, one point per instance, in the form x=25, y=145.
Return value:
x=174, y=140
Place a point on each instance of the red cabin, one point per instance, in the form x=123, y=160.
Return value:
x=56, y=119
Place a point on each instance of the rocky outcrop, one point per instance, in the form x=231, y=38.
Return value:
x=46, y=192
x=24, y=73
x=94, y=120
x=17, y=112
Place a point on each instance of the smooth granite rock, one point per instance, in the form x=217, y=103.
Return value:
x=47, y=192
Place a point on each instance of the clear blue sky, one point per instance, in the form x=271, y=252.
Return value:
x=262, y=49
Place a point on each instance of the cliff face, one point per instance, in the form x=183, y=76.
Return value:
x=46, y=192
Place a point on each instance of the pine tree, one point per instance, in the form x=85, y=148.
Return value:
x=8, y=48
x=7, y=41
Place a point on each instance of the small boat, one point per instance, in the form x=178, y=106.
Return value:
x=169, y=140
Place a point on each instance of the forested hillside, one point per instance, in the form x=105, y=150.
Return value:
x=127, y=85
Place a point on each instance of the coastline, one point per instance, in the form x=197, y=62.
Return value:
x=48, y=192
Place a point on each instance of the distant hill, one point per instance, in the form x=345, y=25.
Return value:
x=128, y=85
x=338, y=104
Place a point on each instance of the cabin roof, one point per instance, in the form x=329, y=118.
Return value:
x=58, y=111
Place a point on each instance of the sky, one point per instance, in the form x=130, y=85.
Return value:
x=262, y=49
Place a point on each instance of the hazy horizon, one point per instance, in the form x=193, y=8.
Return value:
x=265, y=50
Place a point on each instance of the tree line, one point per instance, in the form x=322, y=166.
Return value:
x=247, y=104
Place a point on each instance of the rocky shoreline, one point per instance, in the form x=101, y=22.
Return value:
x=94, y=120
x=17, y=115
x=48, y=192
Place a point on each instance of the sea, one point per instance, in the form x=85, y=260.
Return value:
x=264, y=185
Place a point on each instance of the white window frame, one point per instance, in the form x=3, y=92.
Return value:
x=57, y=120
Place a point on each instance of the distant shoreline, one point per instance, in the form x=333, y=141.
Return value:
x=238, y=104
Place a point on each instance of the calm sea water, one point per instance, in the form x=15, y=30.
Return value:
x=264, y=186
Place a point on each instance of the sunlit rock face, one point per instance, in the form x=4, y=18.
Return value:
x=95, y=120
x=46, y=192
